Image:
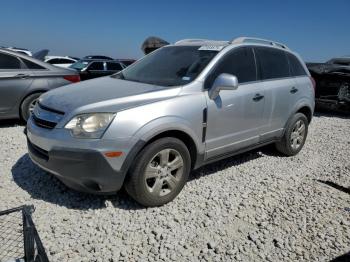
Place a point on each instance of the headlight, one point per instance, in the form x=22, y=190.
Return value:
x=89, y=125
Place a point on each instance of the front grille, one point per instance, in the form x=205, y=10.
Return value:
x=46, y=117
x=44, y=123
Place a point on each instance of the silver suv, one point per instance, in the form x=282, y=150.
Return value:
x=176, y=109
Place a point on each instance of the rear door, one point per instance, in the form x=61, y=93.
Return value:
x=15, y=78
x=235, y=117
x=274, y=73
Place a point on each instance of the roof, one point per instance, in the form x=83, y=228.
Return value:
x=239, y=40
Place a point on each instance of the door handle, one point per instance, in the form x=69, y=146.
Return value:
x=258, y=97
x=294, y=90
x=22, y=76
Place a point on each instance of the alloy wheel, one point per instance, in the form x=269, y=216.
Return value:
x=163, y=173
x=298, y=135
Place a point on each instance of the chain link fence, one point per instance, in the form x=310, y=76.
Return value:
x=19, y=239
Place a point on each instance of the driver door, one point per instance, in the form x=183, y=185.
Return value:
x=236, y=117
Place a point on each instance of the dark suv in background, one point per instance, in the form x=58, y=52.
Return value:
x=92, y=68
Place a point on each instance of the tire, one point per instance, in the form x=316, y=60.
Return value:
x=287, y=145
x=27, y=104
x=161, y=184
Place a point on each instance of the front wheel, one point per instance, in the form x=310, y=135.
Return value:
x=160, y=172
x=294, y=136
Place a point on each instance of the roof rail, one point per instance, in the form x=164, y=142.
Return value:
x=190, y=40
x=258, y=40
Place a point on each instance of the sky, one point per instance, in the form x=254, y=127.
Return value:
x=317, y=30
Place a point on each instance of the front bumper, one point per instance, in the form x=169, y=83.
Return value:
x=82, y=170
x=80, y=165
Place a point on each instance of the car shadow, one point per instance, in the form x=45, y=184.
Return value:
x=11, y=123
x=330, y=113
x=233, y=161
x=44, y=186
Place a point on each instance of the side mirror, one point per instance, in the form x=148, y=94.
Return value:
x=223, y=82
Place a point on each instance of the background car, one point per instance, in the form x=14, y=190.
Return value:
x=345, y=61
x=91, y=68
x=61, y=61
x=23, y=79
x=332, y=83
x=98, y=57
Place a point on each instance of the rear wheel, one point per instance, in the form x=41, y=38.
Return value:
x=28, y=105
x=160, y=172
x=294, y=136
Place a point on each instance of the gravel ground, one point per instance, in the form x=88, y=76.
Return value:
x=253, y=207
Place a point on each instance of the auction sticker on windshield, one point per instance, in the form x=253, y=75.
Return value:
x=211, y=47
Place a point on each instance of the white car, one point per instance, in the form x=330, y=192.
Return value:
x=61, y=61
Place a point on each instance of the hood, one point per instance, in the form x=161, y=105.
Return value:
x=105, y=94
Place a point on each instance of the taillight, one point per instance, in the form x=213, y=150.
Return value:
x=313, y=83
x=72, y=78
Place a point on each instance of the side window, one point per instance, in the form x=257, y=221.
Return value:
x=96, y=66
x=272, y=63
x=9, y=62
x=240, y=62
x=66, y=61
x=114, y=66
x=54, y=61
x=32, y=65
x=296, y=69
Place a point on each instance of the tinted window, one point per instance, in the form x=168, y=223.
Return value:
x=54, y=61
x=273, y=63
x=66, y=61
x=9, y=62
x=96, y=66
x=114, y=66
x=58, y=61
x=32, y=65
x=240, y=63
x=296, y=69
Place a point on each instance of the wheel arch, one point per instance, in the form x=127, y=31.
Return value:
x=182, y=136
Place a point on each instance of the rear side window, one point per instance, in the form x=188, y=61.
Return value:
x=32, y=65
x=9, y=62
x=240, y=63
x=96, y=66
x=114, y=66
x=272, y=63
x=296, y=69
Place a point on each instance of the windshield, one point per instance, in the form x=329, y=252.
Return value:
x=79, y=65
x=169, y=66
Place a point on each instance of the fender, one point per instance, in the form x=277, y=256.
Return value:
x=169, y=123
